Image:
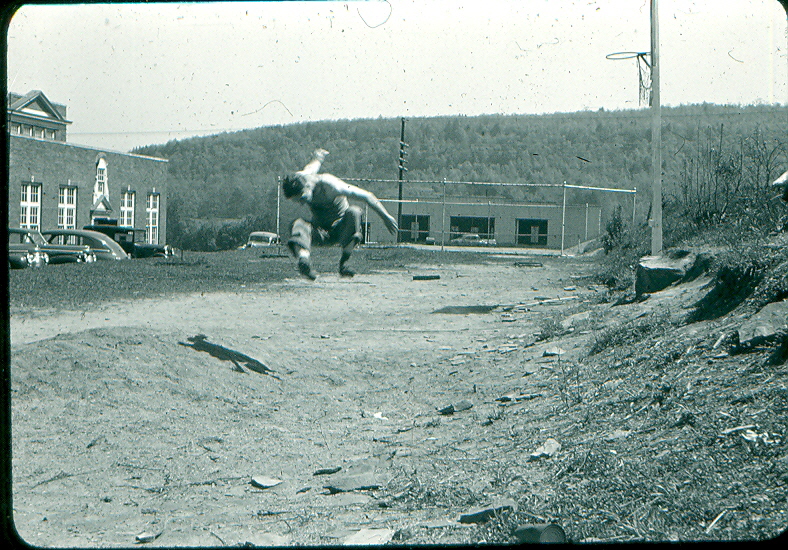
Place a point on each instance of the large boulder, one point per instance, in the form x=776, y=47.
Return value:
x=764, y=325
x=655, y=273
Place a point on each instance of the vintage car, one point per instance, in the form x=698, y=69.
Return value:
x=261, y=239
x=58, y=253
x=100, y=244
x=472, y=239
x=132, y=240
x=22, y=255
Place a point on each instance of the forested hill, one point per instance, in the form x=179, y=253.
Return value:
x=234, y=175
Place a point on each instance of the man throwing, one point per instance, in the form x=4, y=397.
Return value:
x=334, y=220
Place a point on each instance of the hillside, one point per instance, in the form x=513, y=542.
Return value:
x=708, y=151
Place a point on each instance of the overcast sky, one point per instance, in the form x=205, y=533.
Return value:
x=139, y=74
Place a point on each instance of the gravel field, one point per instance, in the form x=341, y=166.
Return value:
x=221, y=399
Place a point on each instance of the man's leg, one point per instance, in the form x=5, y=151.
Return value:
x=299, y=245
x=350, y=236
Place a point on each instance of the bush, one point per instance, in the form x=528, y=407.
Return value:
x=623, y=246
x=213, y=235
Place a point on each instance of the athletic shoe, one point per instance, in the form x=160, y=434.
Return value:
x=306, y=269
x=346, y=271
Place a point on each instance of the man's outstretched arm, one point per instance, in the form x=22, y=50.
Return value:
x=314, y=165
x=353, y=192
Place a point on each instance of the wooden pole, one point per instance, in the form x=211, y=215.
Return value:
x=656, y=137
x=401, y=173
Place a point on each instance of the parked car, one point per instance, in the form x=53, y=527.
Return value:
x=261, y=238
x=100, y=244
x=472, y=239
x=58, y=253
x=131, y=240
x=26, y=254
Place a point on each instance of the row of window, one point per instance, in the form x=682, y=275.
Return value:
x=30, y=210
x=32, y=131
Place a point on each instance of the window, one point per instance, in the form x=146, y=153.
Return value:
x=127, y=209
x=30, y=206
x=532, y=232
x=414, y=228
x=67, y=208
x=152, y=221
x=484, y=227
x=101, y=187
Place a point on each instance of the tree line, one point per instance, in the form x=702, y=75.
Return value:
x=718, y=162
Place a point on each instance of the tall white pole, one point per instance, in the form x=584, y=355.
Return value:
x=656, y=137
x=443, y=217
x=563, y=221
x=278, y=186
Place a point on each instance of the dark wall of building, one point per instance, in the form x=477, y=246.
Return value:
x=54, y=164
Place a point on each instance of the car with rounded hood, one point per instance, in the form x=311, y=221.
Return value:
x=472, y=239
x=132, y=240
x=21, y=238
x=259, y=239
x=23, y=255
x=100, y=244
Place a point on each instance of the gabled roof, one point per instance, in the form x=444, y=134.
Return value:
x=101, y=205
x=35, y=103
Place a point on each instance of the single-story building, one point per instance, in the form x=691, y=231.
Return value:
x=510, y=224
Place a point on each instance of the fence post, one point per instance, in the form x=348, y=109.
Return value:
x=586, y=237
x=443, y=216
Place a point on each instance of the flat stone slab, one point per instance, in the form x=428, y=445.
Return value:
x=483, y=513
x=545, y=450
x=655, y=273
x=265, y=482
x=361, y=482
x=366, y=537
x=463, y=405
x=765, y=324
x=356, y=477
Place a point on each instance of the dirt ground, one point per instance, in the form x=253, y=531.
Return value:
x=124, y=430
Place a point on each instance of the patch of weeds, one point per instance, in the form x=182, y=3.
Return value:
x=549, y=327
x=748, y=273
x=630, y=332
x=418, y=495
x=570, y=383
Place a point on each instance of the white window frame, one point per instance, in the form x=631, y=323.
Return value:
x=101, y=186
x=152, y=218
x=127, y=199
x=67, y=208
x=30, y=206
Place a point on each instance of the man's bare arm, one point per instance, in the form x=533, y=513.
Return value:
x=317, y=161
x=353, y=192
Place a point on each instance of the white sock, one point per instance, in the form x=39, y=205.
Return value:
x=302, y=253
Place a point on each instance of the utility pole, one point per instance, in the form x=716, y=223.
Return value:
x=402, y=170
x=656, y=137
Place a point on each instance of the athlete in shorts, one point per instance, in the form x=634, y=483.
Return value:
x=334, y=219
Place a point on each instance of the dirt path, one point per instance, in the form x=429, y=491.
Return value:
x=120, y=429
